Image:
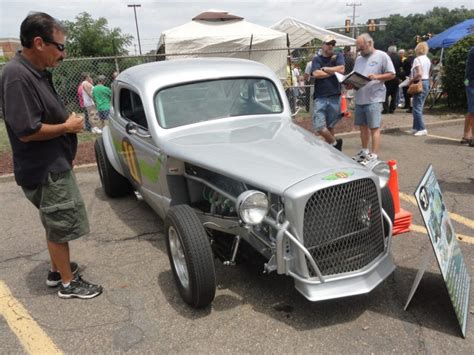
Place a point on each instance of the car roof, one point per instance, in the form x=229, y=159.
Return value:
x=166, y=73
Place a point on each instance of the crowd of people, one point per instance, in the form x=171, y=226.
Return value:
x=95, y=101
x=399, y=79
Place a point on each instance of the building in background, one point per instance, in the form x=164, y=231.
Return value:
x=8, y=48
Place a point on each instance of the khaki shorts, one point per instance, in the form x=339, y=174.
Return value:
x=61, y=208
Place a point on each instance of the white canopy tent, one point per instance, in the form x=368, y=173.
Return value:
x=220, y=34
x=301, y=33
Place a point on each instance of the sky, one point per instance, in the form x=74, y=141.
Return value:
x=155, y=16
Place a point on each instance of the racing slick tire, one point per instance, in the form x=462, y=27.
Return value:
x=190, y=256
x=114, y=184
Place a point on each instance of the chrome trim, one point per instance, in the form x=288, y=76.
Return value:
x=388, y=243
x=308, y=255
x=282, y=229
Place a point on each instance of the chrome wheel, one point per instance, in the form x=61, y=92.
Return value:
x=177, y=254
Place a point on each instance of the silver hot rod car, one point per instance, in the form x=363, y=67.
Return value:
x=210, y=145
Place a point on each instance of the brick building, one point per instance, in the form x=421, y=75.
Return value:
x=9, y=46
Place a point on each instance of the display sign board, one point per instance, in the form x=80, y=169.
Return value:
x=445, y=245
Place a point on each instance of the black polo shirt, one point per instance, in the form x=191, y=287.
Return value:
x=29, y=100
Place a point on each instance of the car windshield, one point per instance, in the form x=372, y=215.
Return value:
x=209, y=100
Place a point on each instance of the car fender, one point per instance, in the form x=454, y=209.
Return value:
x=111, y=153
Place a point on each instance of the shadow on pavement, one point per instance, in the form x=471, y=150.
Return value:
x=464, y=187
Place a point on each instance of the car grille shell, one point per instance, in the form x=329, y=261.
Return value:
x=343, y=227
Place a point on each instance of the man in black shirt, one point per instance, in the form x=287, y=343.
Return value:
x=392, y=85
x=406, y=69
x=44, y=143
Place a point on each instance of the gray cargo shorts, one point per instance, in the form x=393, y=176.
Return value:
x=61, y=208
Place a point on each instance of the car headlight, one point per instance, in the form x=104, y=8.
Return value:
x=382, y=170
x=252, y=206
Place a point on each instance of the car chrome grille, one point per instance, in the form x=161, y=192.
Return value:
x=343, y=228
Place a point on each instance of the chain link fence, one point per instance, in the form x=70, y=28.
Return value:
x=69, y=74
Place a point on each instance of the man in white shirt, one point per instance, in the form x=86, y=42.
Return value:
x=377, y=66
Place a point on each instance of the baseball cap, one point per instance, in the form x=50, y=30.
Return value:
x=329, y=39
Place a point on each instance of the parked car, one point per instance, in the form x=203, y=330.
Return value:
x=210, y=145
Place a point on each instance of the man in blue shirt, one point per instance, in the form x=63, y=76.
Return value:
x=327, y=91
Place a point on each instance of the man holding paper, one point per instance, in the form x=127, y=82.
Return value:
x=327, y=91
x=377, y=66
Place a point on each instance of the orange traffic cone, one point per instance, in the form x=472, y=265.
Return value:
x=344, y=111
x=402, y=218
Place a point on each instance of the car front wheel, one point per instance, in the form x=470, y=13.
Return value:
x=190, y=256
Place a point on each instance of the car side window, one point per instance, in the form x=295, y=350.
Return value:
x=131, y=107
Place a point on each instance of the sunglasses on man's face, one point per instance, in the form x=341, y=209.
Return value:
x=60, y=46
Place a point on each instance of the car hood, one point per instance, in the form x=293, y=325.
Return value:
x=271, y=155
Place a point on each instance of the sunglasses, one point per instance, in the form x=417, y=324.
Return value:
x=60, y=46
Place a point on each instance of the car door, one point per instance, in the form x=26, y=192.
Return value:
x=139, y=154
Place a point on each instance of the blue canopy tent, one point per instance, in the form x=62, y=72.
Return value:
x=444, y=40
x=453, y=34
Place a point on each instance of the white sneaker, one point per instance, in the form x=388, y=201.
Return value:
x=423, y=132
x=360, y=156
x=413, y=131
x=369, y=159
x=96, y=130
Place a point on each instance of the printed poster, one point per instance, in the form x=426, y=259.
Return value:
x=445, y=245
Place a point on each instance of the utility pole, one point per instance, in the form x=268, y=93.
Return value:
x=354, y=17
x=136, y=24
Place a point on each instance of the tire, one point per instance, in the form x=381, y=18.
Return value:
x=387, y=205
x=190, y=256
x=114, y=184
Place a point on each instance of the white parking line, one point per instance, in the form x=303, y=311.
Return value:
x=29, y=333
x=445, y=138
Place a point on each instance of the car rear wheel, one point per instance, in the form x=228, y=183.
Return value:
x=387, y=205
x=190, y=256
x=114, y=184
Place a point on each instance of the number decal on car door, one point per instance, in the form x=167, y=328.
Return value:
x=131, y=159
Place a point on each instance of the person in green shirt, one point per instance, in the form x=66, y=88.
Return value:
x=102, y=96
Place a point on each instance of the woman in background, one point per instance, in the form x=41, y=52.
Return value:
x=420, y=70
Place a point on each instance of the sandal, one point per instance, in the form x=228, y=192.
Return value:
x=465, y=140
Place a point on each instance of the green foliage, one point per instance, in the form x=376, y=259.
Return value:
x=454, y=71
x=402, y=31
x=87, y=37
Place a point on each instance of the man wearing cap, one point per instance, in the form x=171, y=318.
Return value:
x=327, y=91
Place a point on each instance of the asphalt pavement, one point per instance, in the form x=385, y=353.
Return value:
x=141, y=311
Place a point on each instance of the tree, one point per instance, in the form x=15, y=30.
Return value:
x=402, y=31
x=87, y=37
x=454, y=68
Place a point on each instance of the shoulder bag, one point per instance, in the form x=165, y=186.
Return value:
x=415, y=88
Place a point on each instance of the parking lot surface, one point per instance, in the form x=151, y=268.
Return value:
x=141, y=310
